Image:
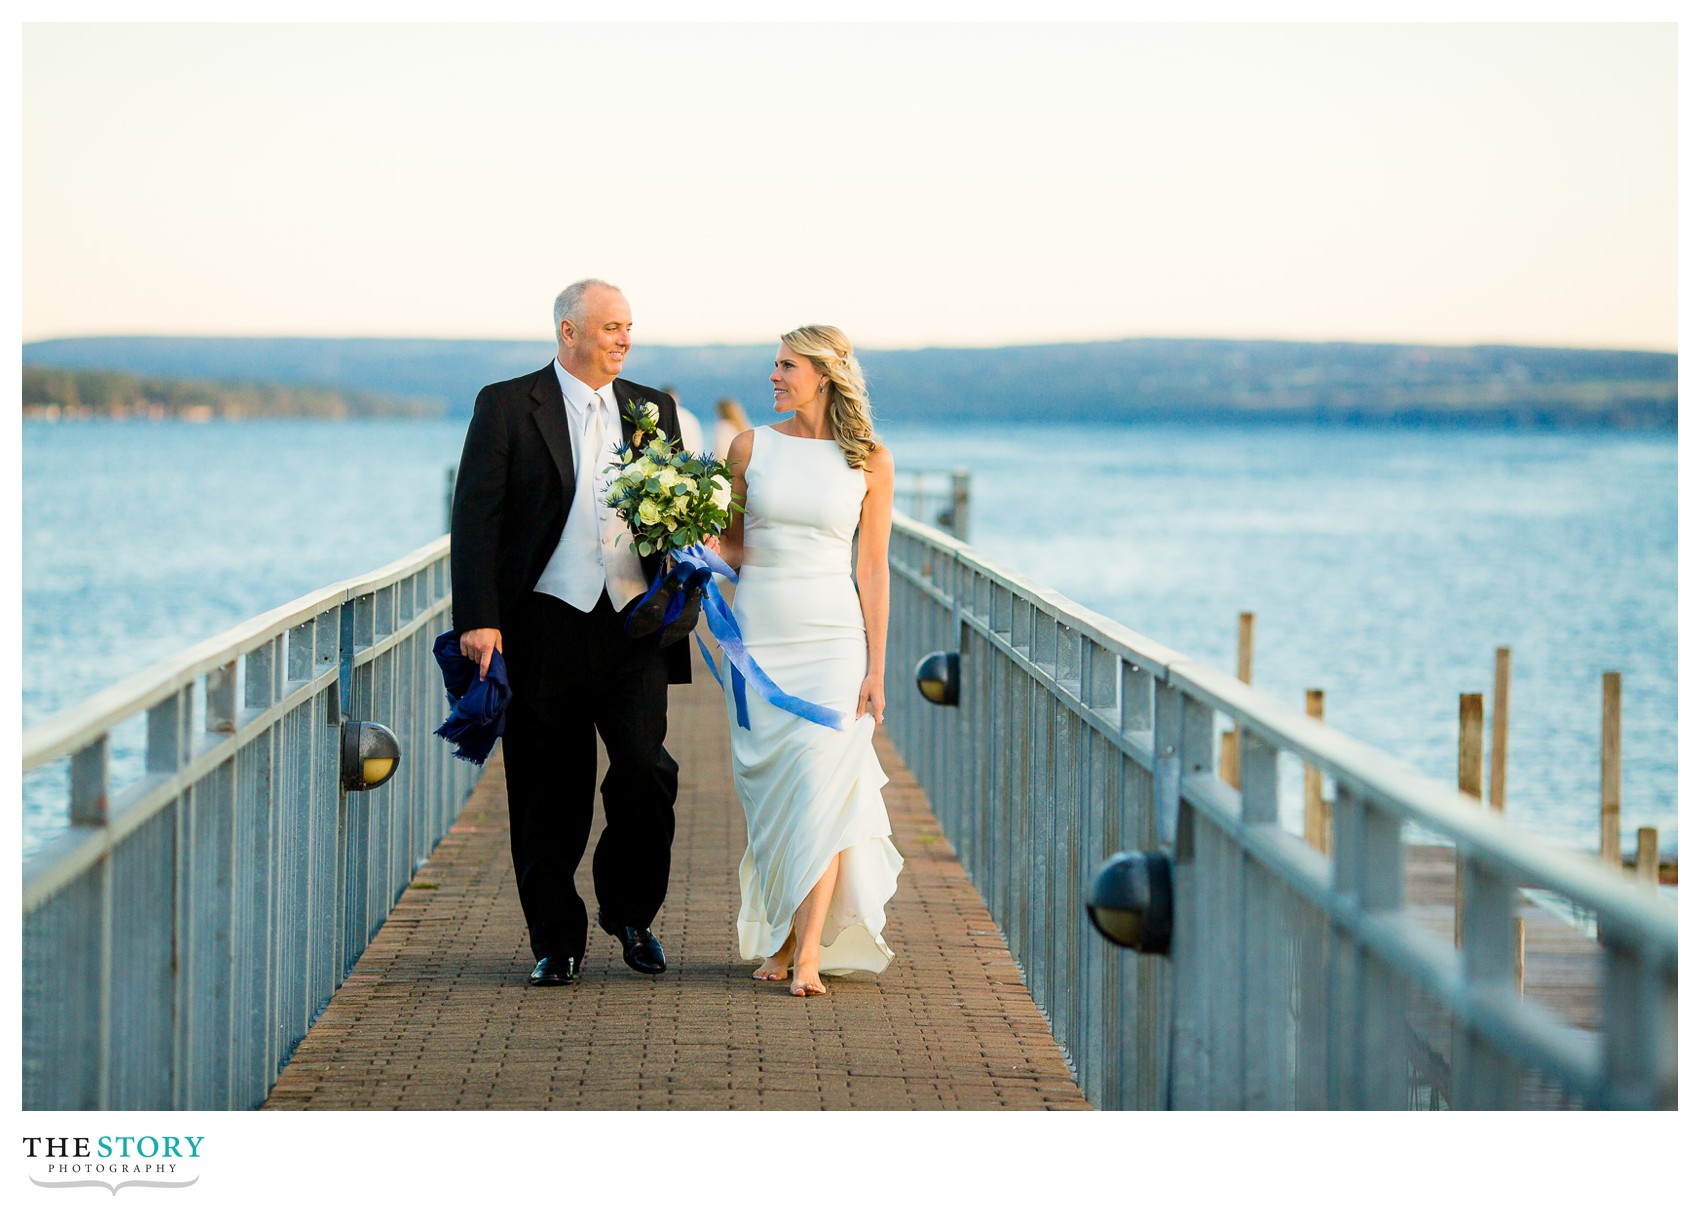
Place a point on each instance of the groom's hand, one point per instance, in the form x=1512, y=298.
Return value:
x=478, y=644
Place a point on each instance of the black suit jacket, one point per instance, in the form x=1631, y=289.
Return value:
x=513, y=491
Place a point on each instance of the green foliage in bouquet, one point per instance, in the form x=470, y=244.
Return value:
x=669, y=498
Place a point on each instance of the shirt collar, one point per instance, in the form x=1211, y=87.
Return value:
x=577, y=393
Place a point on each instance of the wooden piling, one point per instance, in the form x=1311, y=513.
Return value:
x=1522, y=952
x=1248, y=624
x=1647, y=854
x=1469, y=783
x=1314, y=832
x=1611, y=768
x=1229, y=767
x=1501, y=726
x=1470, y=744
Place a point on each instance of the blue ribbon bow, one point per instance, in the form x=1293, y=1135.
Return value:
x=695, y=568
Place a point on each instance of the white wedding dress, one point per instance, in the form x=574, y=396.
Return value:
x=809, y=791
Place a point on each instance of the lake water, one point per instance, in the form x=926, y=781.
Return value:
x=1383, y=568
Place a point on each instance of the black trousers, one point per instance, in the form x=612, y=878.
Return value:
x=575, y=675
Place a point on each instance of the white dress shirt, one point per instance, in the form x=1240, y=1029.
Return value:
x=595, y=551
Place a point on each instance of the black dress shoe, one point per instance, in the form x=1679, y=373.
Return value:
x=642, y=949
x=551, y=970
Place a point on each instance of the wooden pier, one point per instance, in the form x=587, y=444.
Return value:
x=437, y=1014
x=1562, y=969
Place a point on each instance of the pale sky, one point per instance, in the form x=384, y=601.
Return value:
x=916, y=184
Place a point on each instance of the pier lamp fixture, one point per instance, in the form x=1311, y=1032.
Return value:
x=938, y=677
x=1131, y=901
x=370, y=755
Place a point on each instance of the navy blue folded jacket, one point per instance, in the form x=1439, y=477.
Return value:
x=478, y=709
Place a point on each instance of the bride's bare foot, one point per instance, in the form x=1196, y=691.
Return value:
x=807, y=982
x=777, y=966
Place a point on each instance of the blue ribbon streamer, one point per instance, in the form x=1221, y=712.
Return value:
x=701, y=565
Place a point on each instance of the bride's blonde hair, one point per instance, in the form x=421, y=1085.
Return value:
x=847, y=408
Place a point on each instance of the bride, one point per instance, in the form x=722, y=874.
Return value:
x=820, y=865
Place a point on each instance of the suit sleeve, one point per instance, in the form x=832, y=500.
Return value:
x=476, y=521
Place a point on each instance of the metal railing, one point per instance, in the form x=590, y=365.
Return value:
x=934, y=498
x=186, y=929
x=1294, y=979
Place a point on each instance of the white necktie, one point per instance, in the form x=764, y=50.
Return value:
x=584, y=577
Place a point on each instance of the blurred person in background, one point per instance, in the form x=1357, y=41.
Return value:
x=730, y=421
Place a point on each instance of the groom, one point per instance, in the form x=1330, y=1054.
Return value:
x=545, y=573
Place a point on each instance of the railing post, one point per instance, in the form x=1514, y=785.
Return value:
x=259, y=676
x=1483, y=1078
x=90, y=784
x=959, y=502
x=221, y=698
x=168, y=734
x=1366, y=1036
x=1166, y=761
x=1265, y=937
x=1639, y=1021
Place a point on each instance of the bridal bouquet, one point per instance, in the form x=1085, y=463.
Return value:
x=671, y=500
x=668, y=498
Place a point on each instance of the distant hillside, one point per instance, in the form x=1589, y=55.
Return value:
x=1220, y=380
x=54, y=394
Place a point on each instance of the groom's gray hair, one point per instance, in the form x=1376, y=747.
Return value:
x=569, y=304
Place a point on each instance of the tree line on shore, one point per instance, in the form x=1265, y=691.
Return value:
x=51, y=393
x=1154, y=379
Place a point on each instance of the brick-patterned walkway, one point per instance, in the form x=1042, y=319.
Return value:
x=437, y=1014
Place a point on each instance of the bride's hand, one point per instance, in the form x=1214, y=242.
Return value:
x=870, y=700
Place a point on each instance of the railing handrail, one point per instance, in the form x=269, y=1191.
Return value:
x=70, y=730
x=1626, y=909
x=197, y=910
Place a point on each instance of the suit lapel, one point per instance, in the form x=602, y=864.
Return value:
x=622, y=402
x=551, y=417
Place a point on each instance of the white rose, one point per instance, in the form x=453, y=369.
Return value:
x=647, y=513
x=722, y=493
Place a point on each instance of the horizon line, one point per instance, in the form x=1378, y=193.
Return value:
x=919, y=348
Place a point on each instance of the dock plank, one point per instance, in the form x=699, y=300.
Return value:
x=437, y=1014
x=1562, y=969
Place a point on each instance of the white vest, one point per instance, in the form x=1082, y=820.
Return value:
x=595, y=551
